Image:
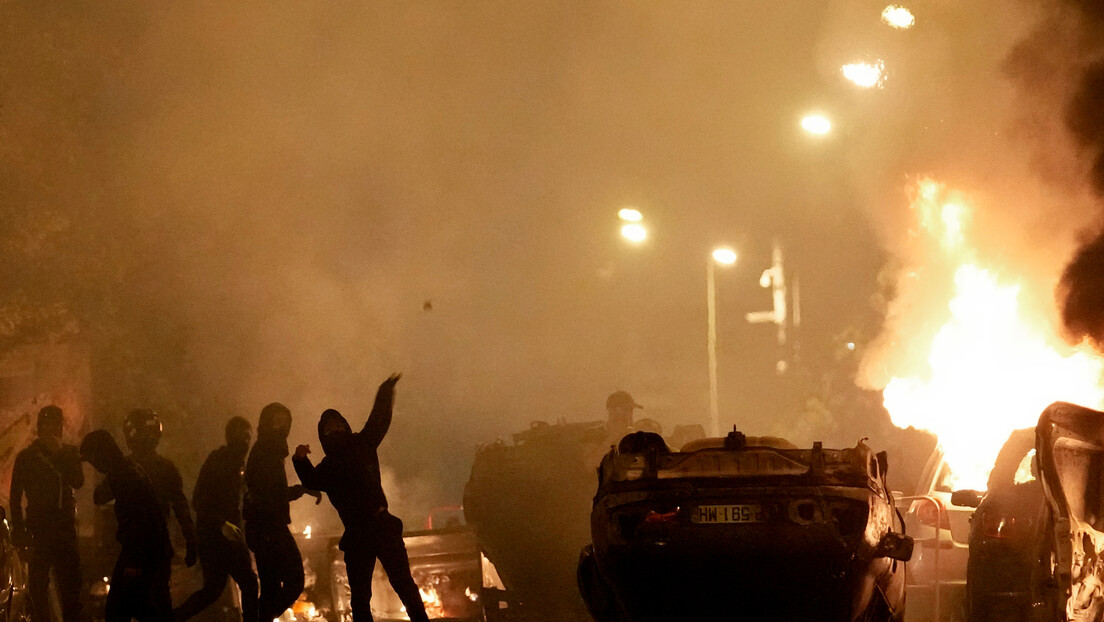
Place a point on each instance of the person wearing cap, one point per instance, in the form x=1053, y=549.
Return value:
x=46, y=473
x=619, y=409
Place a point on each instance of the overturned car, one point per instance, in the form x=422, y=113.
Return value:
x=743, y=528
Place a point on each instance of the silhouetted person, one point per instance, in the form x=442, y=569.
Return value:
x=142, y=429
x=140, y=581
x=267, y=514
x=222, y=549
x=350, y=475
x=47, y=472
x=619, y=411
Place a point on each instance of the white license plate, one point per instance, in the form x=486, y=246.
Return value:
x=711, y=514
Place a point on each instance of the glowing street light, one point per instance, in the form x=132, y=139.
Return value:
x=898, y=17
x=865, y=75
x=816, y=124
x=725, y=256
x=629, y=214
x=634, y=232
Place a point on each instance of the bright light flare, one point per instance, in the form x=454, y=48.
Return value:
x=990, y=367
x=816, y=124
x=865, y=75
x=629, y=214
x=634, y=232
x=725, y=255
x=898, y=17
x=307, y=532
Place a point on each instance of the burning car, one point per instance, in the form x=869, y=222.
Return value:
x=745, y=526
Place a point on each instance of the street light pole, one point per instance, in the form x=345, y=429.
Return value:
x=711, y=304
x=725, y=256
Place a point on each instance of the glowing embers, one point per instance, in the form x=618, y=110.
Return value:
x=865, y=75
x=898, y=17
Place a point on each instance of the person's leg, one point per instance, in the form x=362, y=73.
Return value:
x=291, y=570
x=120, y=597
x=38, y=580
x=66, y=562
x=240, y=567
x=279, y=568
x=213, y=558
x=160, y=591
x=360, y=562
x=267, y=573
x=392, y=555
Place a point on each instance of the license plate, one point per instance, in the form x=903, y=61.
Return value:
x=720, y=514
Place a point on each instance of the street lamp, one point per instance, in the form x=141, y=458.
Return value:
x=634, y=232
x=725, y=256
x=816, y=124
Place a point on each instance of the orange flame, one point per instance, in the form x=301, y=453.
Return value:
x=990, y=369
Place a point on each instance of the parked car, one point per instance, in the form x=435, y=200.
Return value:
x=743, y=528
x=937, y=574
x=1005, y=533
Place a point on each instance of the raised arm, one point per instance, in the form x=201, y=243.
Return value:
x=380, y=420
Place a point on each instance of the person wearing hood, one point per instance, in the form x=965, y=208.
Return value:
x=140, y=581
x=46, y=473
x=350, y=475
x=267, y=513
x=222, y=550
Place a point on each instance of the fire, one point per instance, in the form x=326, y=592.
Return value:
x=865, y=75
x=991, y=368
x=898, y=17
x=432, y=600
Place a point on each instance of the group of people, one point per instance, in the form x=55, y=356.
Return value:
x=241, y=500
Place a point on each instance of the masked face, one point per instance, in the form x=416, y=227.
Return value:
x=334, y=432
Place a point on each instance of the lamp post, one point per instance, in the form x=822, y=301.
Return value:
x=725, y=256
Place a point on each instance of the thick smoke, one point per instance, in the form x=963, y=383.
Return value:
x=1078, y=26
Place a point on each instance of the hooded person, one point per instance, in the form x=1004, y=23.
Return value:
x=267, y=513
x=350, y=475
x=140, y=581
x=223, y=553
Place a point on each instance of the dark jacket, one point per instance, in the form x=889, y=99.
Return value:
x=267, y=495
x=350, y=472
x=48, y=482
x=169, y=487
x=142, y=531
x=218, y=490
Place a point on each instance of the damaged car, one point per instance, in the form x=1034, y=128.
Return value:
x=743, y=528
x=1068, y=574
